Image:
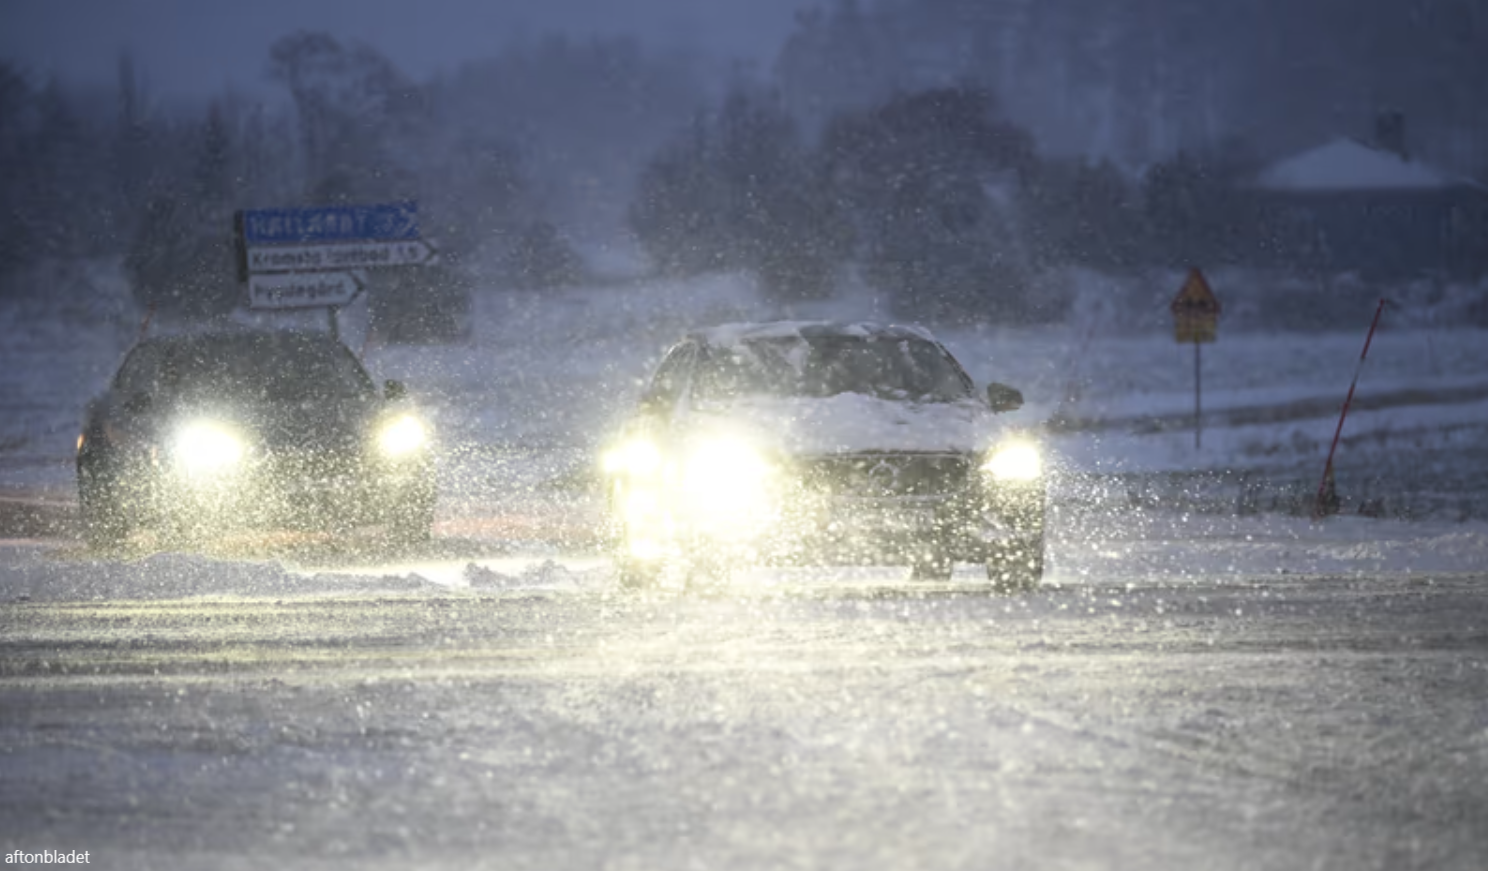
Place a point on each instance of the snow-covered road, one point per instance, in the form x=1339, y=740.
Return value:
x=804, y=719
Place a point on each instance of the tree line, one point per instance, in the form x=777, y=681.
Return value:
x=943, y=206
x=1140, y=80
x=945, y=151
x=485, y=149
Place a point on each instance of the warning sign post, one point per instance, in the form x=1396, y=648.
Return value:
x=1196, y=319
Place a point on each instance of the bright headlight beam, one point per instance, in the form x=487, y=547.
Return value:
x=726, y=488
x=402, y=435
x=635, y=457
x=725, y=467
x=1015, y=461
x=205, y=446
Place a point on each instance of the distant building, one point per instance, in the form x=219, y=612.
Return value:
x=1369, y=208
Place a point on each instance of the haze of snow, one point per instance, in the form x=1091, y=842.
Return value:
x=522, y=409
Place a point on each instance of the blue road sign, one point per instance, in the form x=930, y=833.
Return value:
x=380, y=221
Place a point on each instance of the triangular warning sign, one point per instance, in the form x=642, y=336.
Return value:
x=1195, y=298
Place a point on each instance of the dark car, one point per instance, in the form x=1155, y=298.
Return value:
x=276, y=429
x=815, y=442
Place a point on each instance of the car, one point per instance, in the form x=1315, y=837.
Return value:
x=815, y=442
x=224, y=429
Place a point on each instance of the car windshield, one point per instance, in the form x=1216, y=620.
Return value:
x=275, y=368
x=900, y=369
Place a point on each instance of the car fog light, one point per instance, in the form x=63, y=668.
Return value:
x=1015, y=461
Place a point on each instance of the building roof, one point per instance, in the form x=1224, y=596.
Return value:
x=1347, y=164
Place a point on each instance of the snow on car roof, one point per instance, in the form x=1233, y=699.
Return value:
x=728, y=335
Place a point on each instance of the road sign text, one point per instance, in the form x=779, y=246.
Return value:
x=308, y=290
x=351, y=223
x=354, y=255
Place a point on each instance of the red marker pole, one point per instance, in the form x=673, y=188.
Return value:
x=1318, y=508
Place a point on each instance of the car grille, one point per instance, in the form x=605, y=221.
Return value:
x=305, y=467
x=882, y=475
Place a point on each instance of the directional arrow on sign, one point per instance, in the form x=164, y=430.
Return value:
x=270, y=259
x=302, y=290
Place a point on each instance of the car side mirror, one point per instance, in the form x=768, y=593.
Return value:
x=393, y=390
x=1003, y=398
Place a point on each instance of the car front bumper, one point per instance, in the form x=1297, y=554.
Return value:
x=803, y=527
x=275, y=492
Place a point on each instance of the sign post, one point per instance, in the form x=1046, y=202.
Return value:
x=1196, y=319
x=312, y=257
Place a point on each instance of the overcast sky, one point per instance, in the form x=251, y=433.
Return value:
x=195, y=47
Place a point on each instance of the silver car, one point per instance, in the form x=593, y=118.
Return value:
x=824, y=443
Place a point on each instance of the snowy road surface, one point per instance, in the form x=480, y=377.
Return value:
x=1209, y=681
x=811, y=718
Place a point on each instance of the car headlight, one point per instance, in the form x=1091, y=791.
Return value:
x=205, y=446
x=727, y=489
x=636, y=457
x=726, y=467
x=401, y=436
x=1015, y=461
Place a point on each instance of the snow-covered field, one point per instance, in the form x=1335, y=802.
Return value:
x=552, y=371
x=1210, y=678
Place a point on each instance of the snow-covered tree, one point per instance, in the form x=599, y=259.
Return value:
x=740, y=190
x=357, y=118
x=927, y=178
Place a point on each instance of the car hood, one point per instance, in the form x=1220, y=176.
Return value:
x=852, y=423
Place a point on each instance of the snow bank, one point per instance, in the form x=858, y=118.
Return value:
x=1162, y=546
x=37, y=573
x=47, y=574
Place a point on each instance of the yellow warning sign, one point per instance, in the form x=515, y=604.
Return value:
x=1195, y=310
